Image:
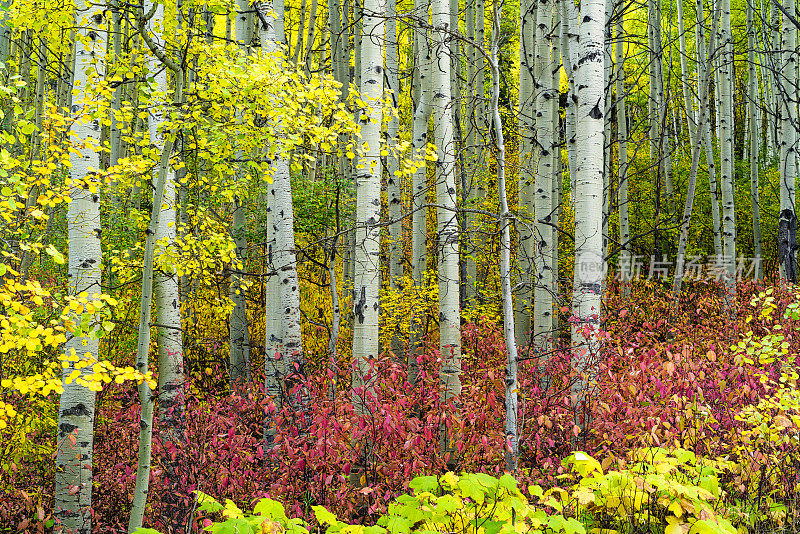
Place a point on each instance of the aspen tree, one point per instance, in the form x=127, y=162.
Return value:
x=239, y=338
x=569, y=55
x=75, y=440
x=274, y=369
x=165, y=143
x=546, y=142
x=702, y=57
x=419, y=139
x=702, y=124
x=622, y=145
x=478, y=128
x=511, y=385
x=787, y=247
x=531, y=66
x=753, y=143
x=368, y=202
x=286, y=362
x=727, y=178
x=589, y=261
x=447, y=222
x=395, y=204
x=470, y=141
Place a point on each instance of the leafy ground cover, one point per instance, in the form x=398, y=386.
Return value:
x=695, y=425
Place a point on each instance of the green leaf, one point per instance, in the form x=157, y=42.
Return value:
x=509, y=483
x=556, y=523
x=399, y=525
x=706, y=527
x=233, y=526
x=208, y=503
x=493, y=527
x=324, y=516
x=142, y=530
x=272, y=509
x=573, y=526
x=423, y=484
x=536, y=491
x=26, y=127
x=448, y=503
x=471, y=489
x=374, y=530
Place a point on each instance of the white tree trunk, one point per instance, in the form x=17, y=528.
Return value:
x=368, y=201
x=787, y=83
x=589, y=262
x=448, y=232
x=395, y=203
x=164, y=175
x=73, y=478
x=698, y=134
x=754, y=138
x=511, y=385
x=727, y=179
x=239, y=335
x=622, y=149
x=687, y=101
x=419, y=186
x=569, y=55
x=531, y=67
x=286, y=361
x=547, y=144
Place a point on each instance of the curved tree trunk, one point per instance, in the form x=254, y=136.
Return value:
x=511, y=385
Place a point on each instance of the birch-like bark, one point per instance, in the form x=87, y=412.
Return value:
x=368, y=203
x=687, y=101
x=239, y=335
x=727, y=178
x=419, y=186
x=470, y=140
x=754, y=138
x=274, y=368
x=511, y=385
x=622, y=148
x=476, y=193
x=164, y=174
x=569, y=55
x=75, y=439
x=589, y=261
x=697, y=141
x=787, y=84
x=395, y=204
x=555, y=50
x=531, y=66
x=702, y=57
x=333, y=341
x=447, y=222
x=116, y=99
x=290, y=364
x=543, y=289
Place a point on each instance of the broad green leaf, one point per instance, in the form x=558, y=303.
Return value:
x=471, y=489
x=425, y=483
x=272, y=508
x=208, y=503
x=323, y=515
x=399, y=525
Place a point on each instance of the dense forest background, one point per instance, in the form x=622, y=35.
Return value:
x=531, y=263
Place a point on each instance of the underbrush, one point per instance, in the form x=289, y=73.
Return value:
x=696, y=389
